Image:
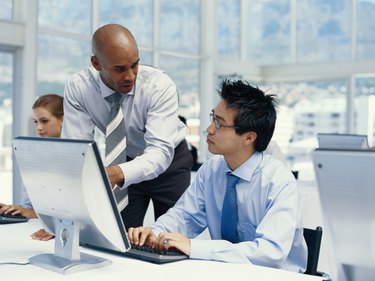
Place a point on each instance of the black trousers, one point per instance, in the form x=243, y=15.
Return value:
x=164, y=191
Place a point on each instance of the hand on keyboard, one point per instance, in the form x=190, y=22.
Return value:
x=9, y=218
x=165, y=240
x=149, y=249
x=149, y=254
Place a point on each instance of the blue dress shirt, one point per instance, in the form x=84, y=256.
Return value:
x=25, y=200
x=152, y=127
x=269, y=223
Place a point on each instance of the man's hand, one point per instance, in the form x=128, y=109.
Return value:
x=42, y=235
x=165, y=241
x=173, y=240
x=3, y=207
x=115, y=175
x=141, y=236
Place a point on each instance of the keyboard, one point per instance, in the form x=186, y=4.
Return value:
x=8, y=218
x=149, y=254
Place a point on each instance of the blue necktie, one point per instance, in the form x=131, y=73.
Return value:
x=229, y=213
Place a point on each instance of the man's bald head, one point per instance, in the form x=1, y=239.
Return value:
x=116, y=57
x=111, y=36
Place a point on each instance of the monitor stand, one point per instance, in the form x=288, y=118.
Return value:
x=67, y=258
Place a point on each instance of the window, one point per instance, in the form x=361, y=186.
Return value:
x=6, y=9
x=365, y=29
x=6, y=121
x=269, y=30
x=187, y=81
x=66, y=16
x=323, y=30
x=180, y=57
x=180, y=26
x=364, y=122
x=301, y=117
x=254, y=38
x=137, y=16
x=229, y=29
x=58, y=58
x=64, y=42
x=145, y=57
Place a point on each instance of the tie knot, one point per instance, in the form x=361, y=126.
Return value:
x=115, y=98
x=232, y=180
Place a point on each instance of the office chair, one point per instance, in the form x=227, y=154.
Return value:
x=196, y=166
x=313, y=238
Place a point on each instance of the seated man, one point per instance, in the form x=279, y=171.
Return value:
x=263, y=226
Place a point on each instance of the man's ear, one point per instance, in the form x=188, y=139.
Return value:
x=95, y=63
x=250, y=138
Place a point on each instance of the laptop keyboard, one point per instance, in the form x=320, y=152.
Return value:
x=8, y=218
x=149, y=254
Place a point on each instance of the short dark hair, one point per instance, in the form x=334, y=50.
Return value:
x=256, y=111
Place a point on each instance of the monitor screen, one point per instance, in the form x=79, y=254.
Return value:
x=70, y=191
x=346, y=184
x=342, y=141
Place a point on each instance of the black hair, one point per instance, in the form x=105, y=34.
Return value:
x=256, y=111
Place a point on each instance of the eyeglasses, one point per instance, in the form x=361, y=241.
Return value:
x=217, y=123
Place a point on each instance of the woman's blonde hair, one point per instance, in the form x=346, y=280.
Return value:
x=52, y=102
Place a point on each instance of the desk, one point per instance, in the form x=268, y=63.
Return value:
x=17, y=246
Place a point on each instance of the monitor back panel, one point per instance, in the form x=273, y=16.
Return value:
x=342, y=141
x=66, y=179
x=346, y=182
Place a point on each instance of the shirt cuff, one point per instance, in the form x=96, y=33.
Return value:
x=200, y=249
x=132, y=174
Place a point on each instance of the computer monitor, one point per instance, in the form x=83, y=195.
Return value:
x=346, y=184
x=342, y=141
x=70, y=191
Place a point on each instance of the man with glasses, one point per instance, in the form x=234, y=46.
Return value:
x=258, y=192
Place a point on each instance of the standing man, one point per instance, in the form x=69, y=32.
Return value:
x=247, y=199
x=149, y=159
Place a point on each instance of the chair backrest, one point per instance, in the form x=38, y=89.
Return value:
x=313, y=238
x=196, y=166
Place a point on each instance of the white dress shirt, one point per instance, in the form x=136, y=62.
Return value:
x=152, y=127
x=269, y=223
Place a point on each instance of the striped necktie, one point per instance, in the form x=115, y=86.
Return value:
x=229, y=213
x=116, y=144
x=115, y=133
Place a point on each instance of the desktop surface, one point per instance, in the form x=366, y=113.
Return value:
x=17, y=246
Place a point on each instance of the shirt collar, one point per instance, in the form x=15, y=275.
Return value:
x=106, y=91
x=246, y=170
